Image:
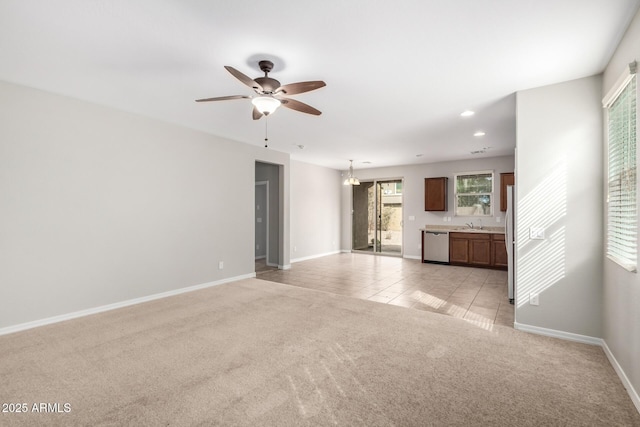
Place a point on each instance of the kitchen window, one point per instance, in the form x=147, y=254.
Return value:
x=622, y=215
x=474, y=193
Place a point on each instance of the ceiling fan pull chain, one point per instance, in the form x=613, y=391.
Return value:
x=266, y=138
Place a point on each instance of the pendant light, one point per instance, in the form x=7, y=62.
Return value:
x=351, y=180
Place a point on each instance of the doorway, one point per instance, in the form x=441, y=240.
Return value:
x=377, y=217
x=267, y=216
x=262, y=220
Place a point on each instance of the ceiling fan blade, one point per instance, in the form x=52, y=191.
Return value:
x=301, y=87
x=256, y=114
x=223, y=98
x=244, y=78
x=299, y=106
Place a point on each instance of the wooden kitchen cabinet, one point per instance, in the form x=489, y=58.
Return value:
x=458, y=248
x=477, y=250
x=499, y=251
x=480, y=249
x=506, y=179
x=435, y=194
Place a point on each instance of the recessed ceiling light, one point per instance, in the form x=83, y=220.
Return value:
x=419, y=155
x=479, y=133
x=467, y=113
x=367, y=162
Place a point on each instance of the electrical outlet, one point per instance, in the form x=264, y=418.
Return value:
x=257, y=247
x=295, y=249
x=497, y=219
x=419, y=246
x=258, y=219
x=534, y=299
x=220, y=265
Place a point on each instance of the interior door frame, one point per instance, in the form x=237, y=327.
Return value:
x=265, y=219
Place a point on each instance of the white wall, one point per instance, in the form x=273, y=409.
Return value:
x=559, y=188
x=413, y=200
x=99, y=206
x=621, y=301
x=315, y=210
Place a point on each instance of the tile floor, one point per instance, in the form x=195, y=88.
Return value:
x=475, y=294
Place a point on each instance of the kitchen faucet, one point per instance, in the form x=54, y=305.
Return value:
x=469, y=224
x=480, y=221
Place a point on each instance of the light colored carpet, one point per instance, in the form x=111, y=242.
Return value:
x=261, y=353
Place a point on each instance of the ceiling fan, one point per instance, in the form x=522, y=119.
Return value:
x=270, y=92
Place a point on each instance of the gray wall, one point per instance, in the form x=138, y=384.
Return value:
x=559, y=188
x=315, y=210
x=413, y=200
x=621, y=300
x=99, y=206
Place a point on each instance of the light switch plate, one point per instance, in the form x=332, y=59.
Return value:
x=412, y=218
x=536, y=233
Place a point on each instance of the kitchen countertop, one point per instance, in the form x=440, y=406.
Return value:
x=463, y=229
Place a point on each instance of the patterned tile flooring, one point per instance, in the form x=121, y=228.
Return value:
x=475, y=294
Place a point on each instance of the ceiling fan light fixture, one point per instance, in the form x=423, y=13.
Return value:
x=351, y=180
x=266, y=104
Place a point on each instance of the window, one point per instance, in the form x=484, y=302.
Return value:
x=622, y=215
x=392, y=188
x=474, y=193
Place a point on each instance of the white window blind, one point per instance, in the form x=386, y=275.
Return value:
x=622, y=215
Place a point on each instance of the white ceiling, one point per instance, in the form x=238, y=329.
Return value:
x=398, y=73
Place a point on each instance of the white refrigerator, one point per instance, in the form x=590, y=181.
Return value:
x=509, y=240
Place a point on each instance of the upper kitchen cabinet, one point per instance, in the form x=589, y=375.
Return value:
x=435, y=194
x=506, y=179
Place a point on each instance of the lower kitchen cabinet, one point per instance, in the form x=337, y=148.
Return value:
x=499, y=251
x=458, y=249
x=477, y=249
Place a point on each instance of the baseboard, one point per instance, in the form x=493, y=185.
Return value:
x=633, y=394
x=345, y=251
x=284, y=267
x=411, y=257
x=114, y=306
x=261, y=257
x=306, y=258
x=585, y=339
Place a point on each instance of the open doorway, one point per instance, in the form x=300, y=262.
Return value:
x=267, y=219
x=377, y=217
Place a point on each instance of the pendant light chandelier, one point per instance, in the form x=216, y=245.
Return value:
x=351, y=180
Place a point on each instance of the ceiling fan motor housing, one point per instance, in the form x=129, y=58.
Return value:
x=268, y=84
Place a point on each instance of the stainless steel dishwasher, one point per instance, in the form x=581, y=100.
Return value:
x=436, y=247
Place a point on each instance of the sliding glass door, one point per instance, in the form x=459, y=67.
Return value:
x=377, y=217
